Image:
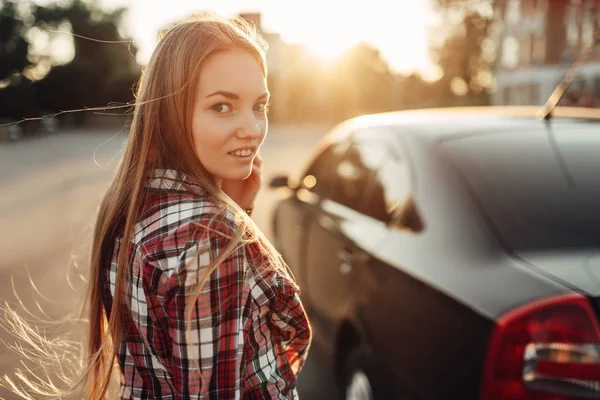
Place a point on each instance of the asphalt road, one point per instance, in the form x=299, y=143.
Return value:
x=50, y=190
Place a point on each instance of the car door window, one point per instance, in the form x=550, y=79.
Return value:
x=351, y=178
x=320, y=175
x=390, y=183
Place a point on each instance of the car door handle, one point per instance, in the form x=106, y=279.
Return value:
x=353, y=256
x=346, y=255
x=349, y=258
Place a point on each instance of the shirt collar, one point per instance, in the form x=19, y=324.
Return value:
x=170, y=179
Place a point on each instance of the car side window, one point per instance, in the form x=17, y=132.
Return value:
x=390, y=184
x=351, y=178
x=320, y=177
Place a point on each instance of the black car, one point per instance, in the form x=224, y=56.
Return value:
x=452, y=254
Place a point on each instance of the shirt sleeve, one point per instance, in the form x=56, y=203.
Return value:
x=207, y=352
x=277, y=340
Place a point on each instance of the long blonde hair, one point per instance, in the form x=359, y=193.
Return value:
x=159, y=137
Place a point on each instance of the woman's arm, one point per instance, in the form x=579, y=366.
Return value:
x=277, y=339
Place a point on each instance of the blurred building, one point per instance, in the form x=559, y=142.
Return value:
x=539, y=42
x=283, y=60
x=276, y=45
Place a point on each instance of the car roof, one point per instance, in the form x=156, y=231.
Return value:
x=442, y=124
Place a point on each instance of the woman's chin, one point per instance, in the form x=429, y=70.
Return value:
x=236, y=176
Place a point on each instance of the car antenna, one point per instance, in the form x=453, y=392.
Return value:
x=546, y=112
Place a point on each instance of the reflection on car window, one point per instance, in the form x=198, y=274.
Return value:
x=368, y=176
x=351, y=179
x=389, y=185
x=319, y=177
x=394, y=176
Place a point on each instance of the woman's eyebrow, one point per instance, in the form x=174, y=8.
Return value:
x=225, y=93
x=235, y=96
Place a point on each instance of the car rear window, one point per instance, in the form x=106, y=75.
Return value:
x=538, y=196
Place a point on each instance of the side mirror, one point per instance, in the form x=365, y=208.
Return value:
x=279, y=181
x=409, y=217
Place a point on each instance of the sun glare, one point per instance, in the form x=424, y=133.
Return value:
x=327, y=50
x=398, y=29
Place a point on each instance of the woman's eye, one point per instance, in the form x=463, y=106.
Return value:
x=222, y=108
x=261, y=107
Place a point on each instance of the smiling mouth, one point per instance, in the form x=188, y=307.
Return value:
x=242, y=153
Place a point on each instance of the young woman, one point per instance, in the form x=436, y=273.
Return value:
x=197, y=303
x=185, y=293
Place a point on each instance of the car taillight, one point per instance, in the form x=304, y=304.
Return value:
x=545, y=350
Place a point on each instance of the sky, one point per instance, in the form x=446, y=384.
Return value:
x=328, y=27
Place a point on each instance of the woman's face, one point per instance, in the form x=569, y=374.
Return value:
x=229, y=121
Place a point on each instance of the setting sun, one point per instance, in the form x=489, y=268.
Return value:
x=327, y=50
x=399, y=31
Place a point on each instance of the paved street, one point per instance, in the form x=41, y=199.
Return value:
x=51, y=187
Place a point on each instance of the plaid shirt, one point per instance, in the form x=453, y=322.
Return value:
x=249, y=335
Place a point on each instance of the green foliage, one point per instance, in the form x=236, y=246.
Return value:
x=13, y=46
x=100, y=72
x=467, y=54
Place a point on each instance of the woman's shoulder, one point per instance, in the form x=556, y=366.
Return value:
x=164, y=212
x=177, y=222
x=174, y=200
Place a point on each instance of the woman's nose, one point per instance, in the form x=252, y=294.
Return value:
x=250, y=128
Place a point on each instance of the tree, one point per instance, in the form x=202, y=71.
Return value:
x=375, y=86
x=414, y=92
x=467, y=54
x=100, y=73
x=13, y=45
x=17, y=97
